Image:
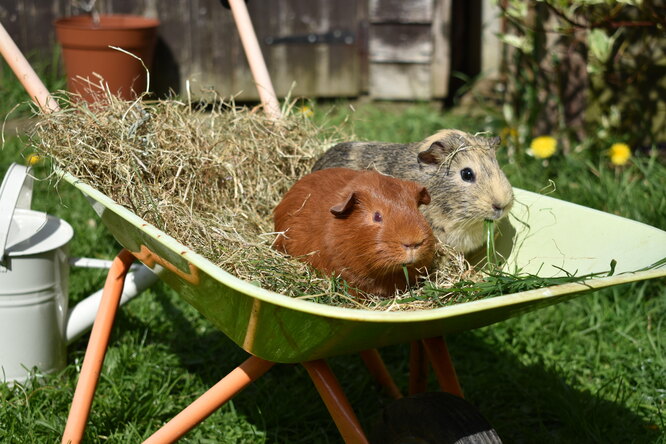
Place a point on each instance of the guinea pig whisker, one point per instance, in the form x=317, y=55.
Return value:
x=387, y=268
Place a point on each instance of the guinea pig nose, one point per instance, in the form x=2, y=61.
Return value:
x=412, y=245
x=497, y=207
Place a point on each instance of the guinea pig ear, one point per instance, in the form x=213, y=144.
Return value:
x=345, y=208
x=434, y=155
x=494, y=142
x=423, y=197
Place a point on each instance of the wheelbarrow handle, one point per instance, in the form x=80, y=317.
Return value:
x=255, y=59
x=24, y=72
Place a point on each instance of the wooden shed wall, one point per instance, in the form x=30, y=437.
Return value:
x=389, y=49
x=408, y=49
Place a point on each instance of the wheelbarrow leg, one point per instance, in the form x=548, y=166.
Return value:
x=438, y=353
x=338, y=406
x=239, y=378
x=97, y=344
x=418, y=369
x=373, y=361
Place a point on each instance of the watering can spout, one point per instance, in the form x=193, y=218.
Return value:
x=81, y=317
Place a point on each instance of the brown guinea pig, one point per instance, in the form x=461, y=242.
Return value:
x=360, y=225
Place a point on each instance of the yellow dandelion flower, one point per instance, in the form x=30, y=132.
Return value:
x=32, y=159
x=543, y=147
x=619, y=153
x=306, y=111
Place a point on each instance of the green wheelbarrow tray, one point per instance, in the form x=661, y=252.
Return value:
x=541, y=234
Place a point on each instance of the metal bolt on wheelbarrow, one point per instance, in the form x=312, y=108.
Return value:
x=274, y=328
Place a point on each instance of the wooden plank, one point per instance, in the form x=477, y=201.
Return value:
x=11, y=19
x=362, y=45
x=173, y=49
x=302, y=69
x=399, y=11
x=406, y=43
x=138, y=7
x=344, y=65
x=29, y=16
x=400, y=81
x=220, y=64
x=300, y=64
x=205, y=49
x=29, y=23
x=343, y=73
x=441, y=56
x=491, y=46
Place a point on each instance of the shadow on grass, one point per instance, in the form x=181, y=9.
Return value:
x=535, y=403
x=525, y=403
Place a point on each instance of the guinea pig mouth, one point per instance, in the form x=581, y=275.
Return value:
x=410, y=260
x=410, y=256
x=499, y=209
x=398, y=266
x=498, y=212
x=397, y=257
x=413, y=260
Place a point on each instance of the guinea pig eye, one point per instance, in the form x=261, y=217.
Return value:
x=377, y=217
x=467, y=175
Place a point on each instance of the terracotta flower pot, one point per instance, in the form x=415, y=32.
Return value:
x=85, y=49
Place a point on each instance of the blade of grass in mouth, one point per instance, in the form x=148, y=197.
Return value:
x=491, y=258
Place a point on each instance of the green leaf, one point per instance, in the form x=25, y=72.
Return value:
x=601, y=44
x=520, y=42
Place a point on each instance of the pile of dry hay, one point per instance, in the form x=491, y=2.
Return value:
x=210, y=178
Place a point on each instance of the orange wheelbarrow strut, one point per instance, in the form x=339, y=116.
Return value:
x=253, y=368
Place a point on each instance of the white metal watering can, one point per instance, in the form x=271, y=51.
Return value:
x=35, y=323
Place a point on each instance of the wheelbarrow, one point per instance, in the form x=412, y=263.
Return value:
x=541, y=232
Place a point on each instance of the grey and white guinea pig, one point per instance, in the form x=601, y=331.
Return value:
x=359, y=225
x=460, y=170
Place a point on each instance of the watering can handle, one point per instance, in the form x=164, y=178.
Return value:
x=15, y=192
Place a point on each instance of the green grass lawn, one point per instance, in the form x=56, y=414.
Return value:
x=589, y=370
